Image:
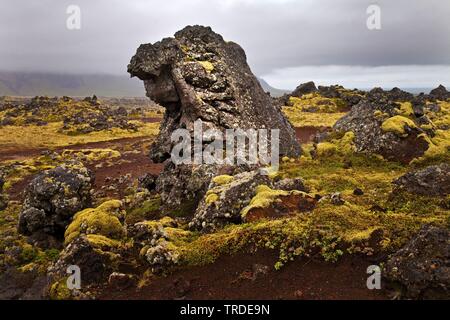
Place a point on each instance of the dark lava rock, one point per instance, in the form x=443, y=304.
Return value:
x=226, y=199
x=95, y=265
x=431, y=181
x=350, y=97
x=148, y=181
x=422, y=266
x=53, y=197
x=304, y=88
x=289, y=184
x=440, y=93
x=197, y=75
x=397, y=94
x=365, y=121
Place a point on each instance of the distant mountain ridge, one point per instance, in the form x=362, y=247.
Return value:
x=32, y=84
x=274, y=92
x=52, y=84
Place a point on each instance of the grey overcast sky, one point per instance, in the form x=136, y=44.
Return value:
x=287, y=41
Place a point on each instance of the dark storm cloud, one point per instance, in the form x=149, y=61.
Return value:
x=275, y=34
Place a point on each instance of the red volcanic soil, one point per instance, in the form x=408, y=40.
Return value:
x=134, y=164
x=234, y=277
x=306, y=134
x=130, y=163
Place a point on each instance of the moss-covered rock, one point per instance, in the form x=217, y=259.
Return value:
x=226, y=197
x=53, y=197
x=270, y=203
x=105, y=220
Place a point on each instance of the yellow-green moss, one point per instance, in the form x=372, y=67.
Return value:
x=326, y=148
x=406, y=109
x=211, y=198
x=92, y=155
x=209, y=67
x=343, y=145
x=223, y=179
x=102, y=220
x=101, y=242
x=59, y=290
x=438, y=150
x=264, y=197
x=316, y=101
x=441, y=119
x=311, y=119
x=49, y=136
x=380, y=114
x=396, y=124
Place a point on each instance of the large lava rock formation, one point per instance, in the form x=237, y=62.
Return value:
x=198, y=75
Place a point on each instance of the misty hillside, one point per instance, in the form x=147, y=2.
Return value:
x=274, y=92
x=31, y=84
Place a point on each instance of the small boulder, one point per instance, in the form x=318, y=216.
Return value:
x=226, y=197
x=270, y=203
x=53, y=197
x=422, y=266
x=432, y=181
x=95, y=259
x=289, y=184
x=304, y=88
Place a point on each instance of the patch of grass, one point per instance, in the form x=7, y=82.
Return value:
x=30, y=137
x=304, y=119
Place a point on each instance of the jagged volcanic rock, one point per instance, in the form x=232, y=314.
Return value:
x=52, y=198
x=440, y=93
x=381, y=128
x=432, y=181
x=304, y=88
x=198, y=75
x=422, y=267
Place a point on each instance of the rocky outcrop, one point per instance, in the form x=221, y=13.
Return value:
x=97, y=117
x=304, y=88
x=197, y=75
x=430, y=181
x=440, y=93
x=154, y=239
x=79, y=116
x=380, y=127
x=226, y=197
x=52, y=198
x=247, y=197
x=95, y=262
x=422, y=267
x=396, y=94
x=350, y=97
